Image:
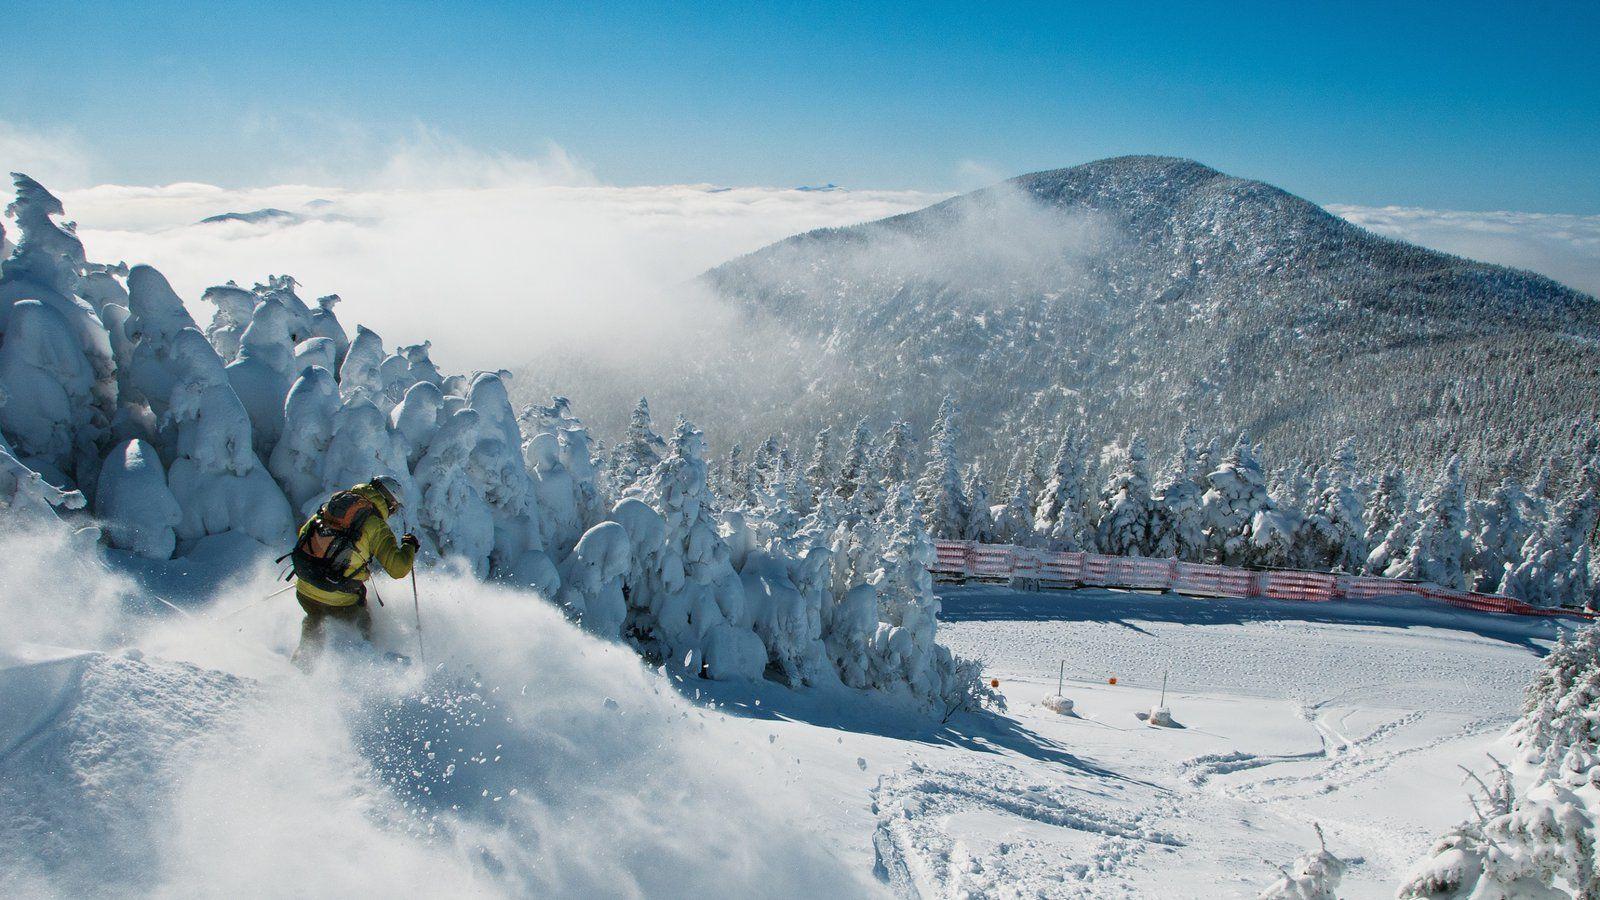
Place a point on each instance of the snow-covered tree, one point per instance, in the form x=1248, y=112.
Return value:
x=264, y=371
x=1177, y=522
x=1058, y=517
x=592, y=578
x=48, y=416
x=234, y=307
x=1537, y=842
x=1498, y=534
x=325, y=324
x=560, y=498
x=939, y=490
x=734, y=478
x=1386, y=505
x=697, y=615
x=1332, y=534
x=500, y=473
x=896, y=456
x=452, y=512
x=308, y=416
x=137, y=511
x=100, y=286
x=47, y=265
x=980, y=524
x=415, y=418
x=1236, y=493
x=856, y=470
x=1125, y=506
x=361, y=371
x=819, y=473
x=1440, y=547
x=639, y=452
x=1013, y=523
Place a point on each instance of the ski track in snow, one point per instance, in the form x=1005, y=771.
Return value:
x=1354, y=716
x=918, y=856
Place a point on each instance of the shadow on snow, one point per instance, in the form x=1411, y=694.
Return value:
x=984, y=603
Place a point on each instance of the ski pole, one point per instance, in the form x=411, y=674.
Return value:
x=251, y=603
x=416, y=609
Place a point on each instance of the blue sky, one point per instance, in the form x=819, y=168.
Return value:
x=1444, y=105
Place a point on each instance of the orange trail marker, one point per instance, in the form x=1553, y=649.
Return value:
x=994, y=682
x=1111, y=680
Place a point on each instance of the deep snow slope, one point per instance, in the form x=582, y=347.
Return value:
x=1155, y=291
x=179, y=754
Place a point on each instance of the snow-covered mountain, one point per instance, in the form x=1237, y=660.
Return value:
x=1149, y=292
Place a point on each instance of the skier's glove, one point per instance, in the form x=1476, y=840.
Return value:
x=410, y=540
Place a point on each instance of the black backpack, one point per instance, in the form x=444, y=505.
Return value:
x=322, y=552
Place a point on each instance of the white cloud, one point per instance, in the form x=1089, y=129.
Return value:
x=496, y=258
x=1563, y=247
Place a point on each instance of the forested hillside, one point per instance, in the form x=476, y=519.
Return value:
x=1142, y=294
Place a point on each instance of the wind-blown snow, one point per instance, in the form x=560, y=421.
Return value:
x=181, y=756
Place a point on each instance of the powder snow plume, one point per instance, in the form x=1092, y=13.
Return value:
x=183, y=755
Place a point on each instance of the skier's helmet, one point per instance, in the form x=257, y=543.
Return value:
x=390, y=489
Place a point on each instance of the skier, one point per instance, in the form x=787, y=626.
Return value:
x=332, y=557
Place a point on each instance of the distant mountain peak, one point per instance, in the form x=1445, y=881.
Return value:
x=1145, y=292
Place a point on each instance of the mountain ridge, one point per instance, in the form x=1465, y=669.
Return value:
x=1145, y=292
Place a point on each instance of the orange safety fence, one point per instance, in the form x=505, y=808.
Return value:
x=973, y=560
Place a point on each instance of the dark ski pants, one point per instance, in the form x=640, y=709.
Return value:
x=314, y=628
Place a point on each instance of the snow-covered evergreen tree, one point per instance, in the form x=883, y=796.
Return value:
x=734, y=482
x=325, y=324
x=234, y=307
x=1498, y=534
x=1125, y=506
x=939, y=490
x=138, y=512
x=1236, y=493
x=361, y=370
x=1013, y=523
x=896, y=458
x=46, y=266
x=1058, y=517
x=1177, y=521
x=1332, y=535
x=308, y=417
x=980, y=524
x=819, y=473
x=1386, y=505
x=1440, y=548
x=1539, y=841
x=639, y=452
x=855, y=472
x=49, y=414
x=697, y=611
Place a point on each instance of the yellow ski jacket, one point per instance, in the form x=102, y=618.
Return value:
x=376, y=542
